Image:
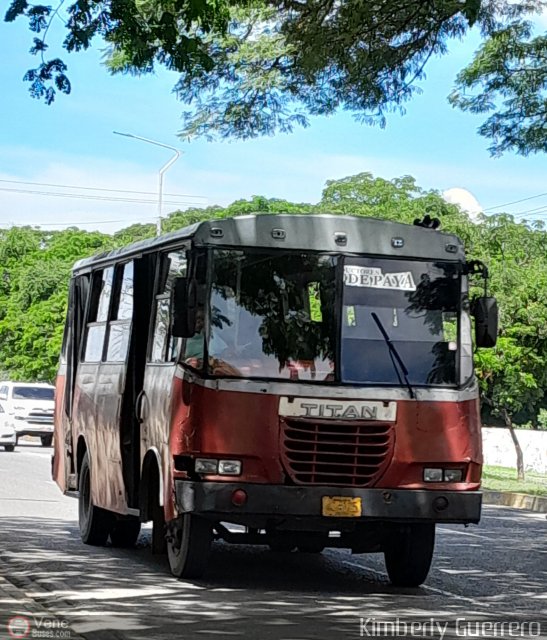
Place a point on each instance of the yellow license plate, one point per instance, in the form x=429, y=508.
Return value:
x=341, y=507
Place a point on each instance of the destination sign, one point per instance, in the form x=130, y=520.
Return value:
x=374, y=278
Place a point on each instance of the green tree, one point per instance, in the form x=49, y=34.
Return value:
x=134, y=233
x=510, y=378
x=400, y=199
x=513, y=376
x=254, y=67
x=257, y=204
x=507, y=79
x=34, y=279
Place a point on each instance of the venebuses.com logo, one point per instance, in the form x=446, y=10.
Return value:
x=18, y=627
x=38, y=626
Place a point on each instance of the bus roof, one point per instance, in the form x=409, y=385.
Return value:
x=304, y=232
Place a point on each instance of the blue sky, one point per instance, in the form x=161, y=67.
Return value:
x=71, y=143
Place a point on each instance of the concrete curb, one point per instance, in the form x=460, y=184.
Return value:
x=515, y=500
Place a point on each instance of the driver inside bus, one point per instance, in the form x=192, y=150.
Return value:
x=195, y=346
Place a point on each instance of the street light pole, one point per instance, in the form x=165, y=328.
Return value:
x=163, y=169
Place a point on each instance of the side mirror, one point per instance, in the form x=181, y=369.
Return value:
x=182, y=316
x=485, y=311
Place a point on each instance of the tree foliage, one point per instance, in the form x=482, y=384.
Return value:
x=508, y=80
x=255, y=67
x=33, y=290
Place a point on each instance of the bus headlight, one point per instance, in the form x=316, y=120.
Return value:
x=453, y=475
x=433, y=475
x=206, y=465
x=443, y=475
x=229, y=467
x=210, y=466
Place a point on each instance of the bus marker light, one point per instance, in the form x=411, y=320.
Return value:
x=239, y=497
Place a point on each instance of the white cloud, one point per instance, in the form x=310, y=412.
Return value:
x=465, y=199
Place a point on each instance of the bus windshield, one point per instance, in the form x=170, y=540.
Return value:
x=278, y=315
x=272, y=315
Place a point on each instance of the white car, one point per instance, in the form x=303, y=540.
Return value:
x=7, y=432
x=29, y=409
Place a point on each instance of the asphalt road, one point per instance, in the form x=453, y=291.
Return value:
x=492, y=573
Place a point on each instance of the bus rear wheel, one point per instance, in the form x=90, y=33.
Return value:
x=95, y=523
x=408, y=554
x=188, y=545
x=46, y=441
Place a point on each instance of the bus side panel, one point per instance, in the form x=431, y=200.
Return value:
x=97, y=407
x=60, y=464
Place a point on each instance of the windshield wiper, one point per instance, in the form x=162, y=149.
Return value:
x=394, y=354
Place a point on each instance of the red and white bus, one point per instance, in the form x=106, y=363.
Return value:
x=308, y=378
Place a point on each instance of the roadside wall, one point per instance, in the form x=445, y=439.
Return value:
x=498, y=448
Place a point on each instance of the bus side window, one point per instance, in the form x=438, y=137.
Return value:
x=161, y=330
x=98, y=314
x=119, y=326
x=164, y=346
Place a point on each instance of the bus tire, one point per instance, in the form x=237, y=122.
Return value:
x=95, y=523
x=9, y=447
x=125, y=532
x=408, y=554
x=188, y=545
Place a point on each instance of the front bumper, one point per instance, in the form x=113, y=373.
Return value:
x=7, y=438
x=24, y=428
x=279, y=502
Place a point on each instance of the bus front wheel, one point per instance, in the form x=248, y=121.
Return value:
x=95, y=523
x=188, y=545
x=408, y=554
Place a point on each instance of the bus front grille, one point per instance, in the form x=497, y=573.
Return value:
x=332, y=453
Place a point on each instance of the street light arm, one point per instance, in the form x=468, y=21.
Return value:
x=171, y=161
x=158, y=144
x=161, y=171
